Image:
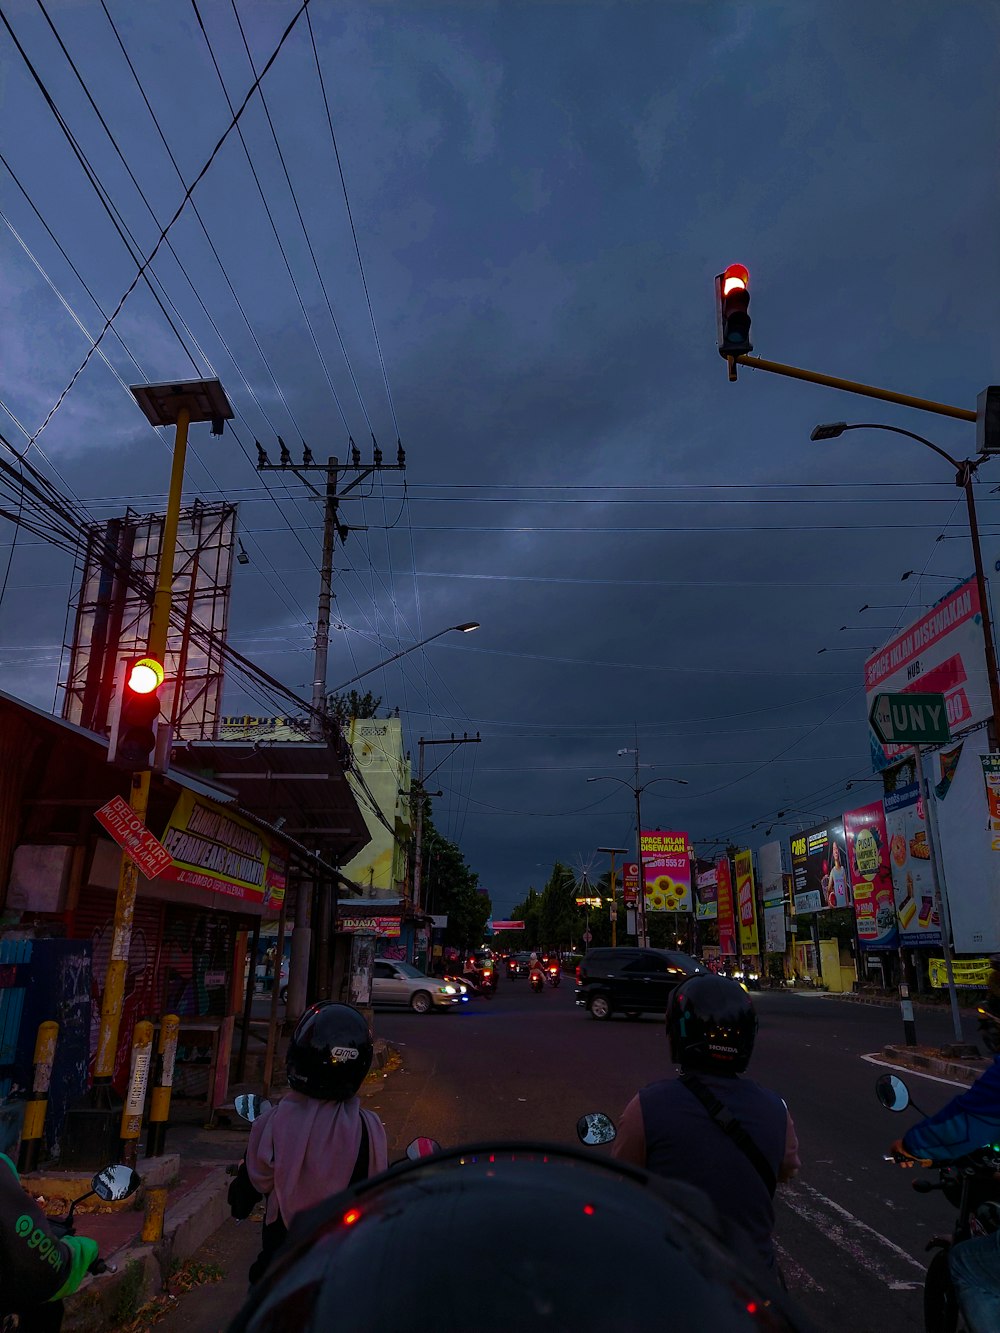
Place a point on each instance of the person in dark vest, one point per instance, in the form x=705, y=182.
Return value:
x=711, y=1127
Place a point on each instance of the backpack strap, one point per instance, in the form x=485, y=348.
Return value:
x=729, y=1124
x=360, y=1171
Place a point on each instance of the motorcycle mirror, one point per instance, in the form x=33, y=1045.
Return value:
x=422, y=1147
x=115, y=1183
x=250, y=1106
x=596, y=1128
x=892, y=1092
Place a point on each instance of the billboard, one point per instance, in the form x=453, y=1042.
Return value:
x=666, y=869
x=941, y=653
x=727, y=916
x=819, y=868
x=910, y=866
x=706, y=894
x=871, y=878
x=213, y=849
x=630, y=883
x=772, y=894
x=745, y=902
x=964, y=839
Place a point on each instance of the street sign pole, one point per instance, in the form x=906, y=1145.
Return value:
x=943, y=914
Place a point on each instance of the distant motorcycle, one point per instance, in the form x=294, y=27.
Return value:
x=554, y=974
x=537, y=982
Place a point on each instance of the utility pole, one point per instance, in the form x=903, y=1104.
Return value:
x=332, y=530
x=418, y=839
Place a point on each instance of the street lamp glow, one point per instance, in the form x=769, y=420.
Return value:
x=467, y=628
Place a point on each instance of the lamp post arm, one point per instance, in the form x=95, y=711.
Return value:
x=378, y=665
x=898, y=430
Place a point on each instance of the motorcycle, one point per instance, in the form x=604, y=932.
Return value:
x=970, y=1186
x=487, y=977
x=989, y=1029
x=553, y=973
x=537, y=982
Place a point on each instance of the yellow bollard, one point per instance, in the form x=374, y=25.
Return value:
x=159, y=1103
x=135, y=1099
x=34, y=1111
x=152, y=1223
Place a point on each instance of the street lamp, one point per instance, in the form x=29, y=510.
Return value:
x=613, y=852
x=466, y=628
x=176, y=404
x=964, y=473
x=637, y=789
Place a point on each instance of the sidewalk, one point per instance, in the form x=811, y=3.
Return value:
x=940, y=1061
x=194, y=1171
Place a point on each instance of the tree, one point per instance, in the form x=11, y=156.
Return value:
x=342, y=707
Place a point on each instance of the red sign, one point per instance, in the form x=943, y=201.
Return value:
x=727, y=917
x=132, y=835
x=630, y=882
x=507, y=925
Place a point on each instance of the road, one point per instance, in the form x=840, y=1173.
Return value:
x=851, y=1231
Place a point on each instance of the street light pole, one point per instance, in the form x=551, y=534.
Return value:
x=466, y=628
x=637, y=790
x=964, y=473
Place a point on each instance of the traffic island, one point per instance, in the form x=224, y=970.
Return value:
x=959, y=1062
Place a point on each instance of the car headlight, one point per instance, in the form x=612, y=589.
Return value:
x=448, y=990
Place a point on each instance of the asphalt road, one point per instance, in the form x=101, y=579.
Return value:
x=851, y=1231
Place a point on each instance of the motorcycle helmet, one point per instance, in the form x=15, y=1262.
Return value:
x=330, y=1052
x=550, y=1210
x=711, y=1024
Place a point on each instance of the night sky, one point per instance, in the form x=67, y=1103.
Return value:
x=542, y=195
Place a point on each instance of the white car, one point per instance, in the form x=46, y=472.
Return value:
x=400, y=983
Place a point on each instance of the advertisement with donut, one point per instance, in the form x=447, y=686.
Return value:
x=666, y=867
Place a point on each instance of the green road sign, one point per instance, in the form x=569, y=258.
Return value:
x=910, y=719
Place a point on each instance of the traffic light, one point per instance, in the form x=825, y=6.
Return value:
x=988, y=420
x=133, y=728
x=732, y=305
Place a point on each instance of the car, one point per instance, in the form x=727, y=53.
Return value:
x=631, y=981
x=400, y=983
x=517, y=964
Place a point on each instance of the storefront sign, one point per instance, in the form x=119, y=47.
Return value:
x=212, y=848
x=871, y=877
x=388, y=927
x=941, y=653
x=666, y=871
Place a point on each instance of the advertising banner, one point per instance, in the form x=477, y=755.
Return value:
x=666, y=871
x=974, y=972
x=727, y=915
x=819, y=868
x=910, y=866
x=991, y=776
x=871, y=878
x=746, y=902
x=630, y=882
x=970, y=867
x=941, y=653
x=386, y=927
x=211, y=848
x=706, y=895
x=772, y=893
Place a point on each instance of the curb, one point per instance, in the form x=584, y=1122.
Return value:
x=890, y=1002
x=960, y=1071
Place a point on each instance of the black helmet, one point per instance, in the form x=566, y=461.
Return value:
x=330, y=1052
x=712, y=1024
x=550, y=1210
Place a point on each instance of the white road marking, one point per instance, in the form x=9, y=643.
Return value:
x=905, y=1069
x=840, y=1234
x=797, y=1277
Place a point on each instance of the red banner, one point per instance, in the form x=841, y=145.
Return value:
x=727, y=916
x=630, y=882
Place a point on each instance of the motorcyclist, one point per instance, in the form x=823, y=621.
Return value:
x=39, y=1265
x=968, y=1122
x=317, y=1139
x=668, y=1126
x=535, y=970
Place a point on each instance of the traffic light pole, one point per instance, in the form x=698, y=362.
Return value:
x=849, y=386
x=128, y=874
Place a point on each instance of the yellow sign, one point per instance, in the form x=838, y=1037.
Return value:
x=968, y=972
x=212, y=848
x=746, y=909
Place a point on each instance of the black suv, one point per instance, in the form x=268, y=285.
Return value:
x=631, y=981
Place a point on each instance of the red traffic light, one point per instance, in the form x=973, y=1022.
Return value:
x=136, y=714
x=144, y=676
x=735, y=279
